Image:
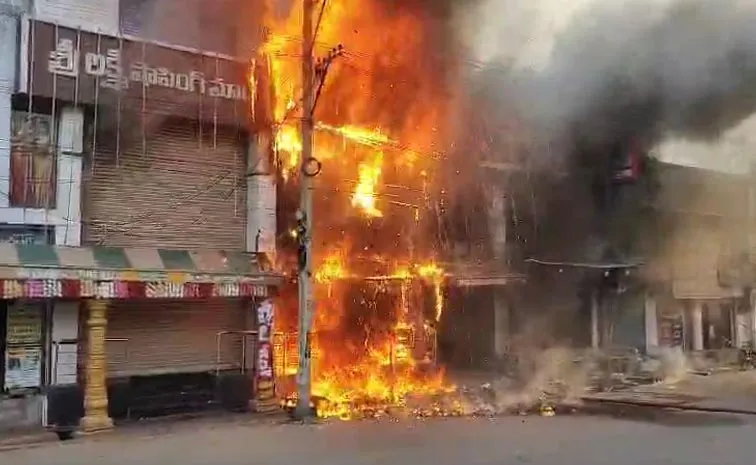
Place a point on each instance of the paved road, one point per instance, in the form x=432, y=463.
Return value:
x=688, y=439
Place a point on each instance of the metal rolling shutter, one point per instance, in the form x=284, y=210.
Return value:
x=181, y=191
x=173, y=336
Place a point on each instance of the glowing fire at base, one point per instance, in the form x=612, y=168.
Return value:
x=388, y=368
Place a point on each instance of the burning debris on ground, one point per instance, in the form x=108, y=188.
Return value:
x=550, y=382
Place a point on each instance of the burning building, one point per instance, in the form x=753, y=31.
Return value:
x=383, y=128
x=432, y=154
x=604, y=96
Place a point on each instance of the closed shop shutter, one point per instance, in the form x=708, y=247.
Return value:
x=176, y=190
x=173, y=336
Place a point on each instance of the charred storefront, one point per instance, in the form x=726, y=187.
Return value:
x=176, y=208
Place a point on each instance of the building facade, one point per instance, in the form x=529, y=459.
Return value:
x=699, y=297
x=138, y=209
x=687, y=283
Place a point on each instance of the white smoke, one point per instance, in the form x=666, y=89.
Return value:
x=521, y=32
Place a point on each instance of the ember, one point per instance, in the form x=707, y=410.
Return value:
x=378, y=128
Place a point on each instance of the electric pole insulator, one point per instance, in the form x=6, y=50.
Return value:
x=311, y=167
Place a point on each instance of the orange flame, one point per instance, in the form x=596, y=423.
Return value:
x=332, y=268
x=364, y=193
x=379, y=121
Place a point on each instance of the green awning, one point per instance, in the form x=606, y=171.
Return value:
x=174, y=271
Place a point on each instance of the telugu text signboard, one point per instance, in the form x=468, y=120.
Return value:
x=88, y=68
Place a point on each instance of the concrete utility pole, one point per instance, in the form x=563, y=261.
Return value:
x=304, y=217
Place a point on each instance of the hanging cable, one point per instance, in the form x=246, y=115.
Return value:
x=53, y=147
x=219, y=83
x=96, y=107
x=30, y=107
x=318, y=22
x=143, y=121
x=71, y=186
x=120, y=89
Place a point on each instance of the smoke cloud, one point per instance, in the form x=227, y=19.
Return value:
x=645, y=68
x=593, y=78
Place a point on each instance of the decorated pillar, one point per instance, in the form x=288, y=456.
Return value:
x=265, y=381
x=95, y=390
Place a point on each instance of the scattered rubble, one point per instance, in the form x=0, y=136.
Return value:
x=551, y=383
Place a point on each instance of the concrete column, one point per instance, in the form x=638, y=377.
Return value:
x=65, y=330
x=67, y=215
x=652, y=324
x=696, y=325
x=752, y=301
x=95, y=390
x=741, y=322
x=501, y=324
x=595, y=336
x=261, y=197
x=497, y=215
x=8, y=71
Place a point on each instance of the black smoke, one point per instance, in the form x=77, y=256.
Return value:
x=621, y=75
x=634, y=71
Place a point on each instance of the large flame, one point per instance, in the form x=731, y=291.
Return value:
x=364, y=193
x=379, y=125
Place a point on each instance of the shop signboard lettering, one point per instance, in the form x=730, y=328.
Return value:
x=91, y=68
x=66, y=61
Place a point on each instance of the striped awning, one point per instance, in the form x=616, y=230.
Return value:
x=44, y=271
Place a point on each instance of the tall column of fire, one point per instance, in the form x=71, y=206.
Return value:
x=381, y=134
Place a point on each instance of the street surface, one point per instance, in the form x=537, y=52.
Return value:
x=655, y=439
x=733, y=391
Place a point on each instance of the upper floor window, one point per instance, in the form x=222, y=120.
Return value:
x=33, y=170
x=205, y=25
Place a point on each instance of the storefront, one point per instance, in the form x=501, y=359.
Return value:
x=24, y=332
x=208, y=323
x=159, y=147
x=160, y=144
x=479, y=322
x=22, y=368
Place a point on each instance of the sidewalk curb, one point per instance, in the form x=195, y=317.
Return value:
x=28, y=441
x=689, y=406
x=157, y=426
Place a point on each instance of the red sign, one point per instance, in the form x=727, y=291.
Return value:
x=264, y=348
x=629, y=168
